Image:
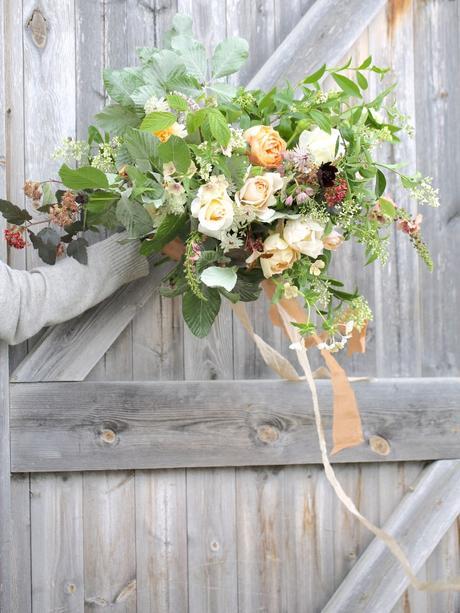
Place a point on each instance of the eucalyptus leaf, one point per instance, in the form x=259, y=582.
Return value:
x=216, y=276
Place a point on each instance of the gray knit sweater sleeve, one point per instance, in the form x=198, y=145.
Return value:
x=30, y=300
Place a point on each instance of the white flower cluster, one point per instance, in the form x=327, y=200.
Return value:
x=154, y=105
x=237, y=141
x=105, y=159
x=425, y=193
x=72, y=151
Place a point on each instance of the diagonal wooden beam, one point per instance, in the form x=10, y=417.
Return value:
x=69, y=351
x=323, y=35
x=377, y=582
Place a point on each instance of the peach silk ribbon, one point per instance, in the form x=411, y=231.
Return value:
x=283, y=314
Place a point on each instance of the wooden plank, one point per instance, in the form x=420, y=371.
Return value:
x=122, y=425
x=14, y=152
x=5, y=493
x=260, y=515
x=109, y=541
x=20, y=537
x=161, y=541
x=418, y=523
x=318, y=37
x=57, y=543
x=211, y=537
x=437, y=49
x=70, y=350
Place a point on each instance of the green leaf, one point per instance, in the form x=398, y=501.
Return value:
x=321, y=120
x=99, y=201
x=177, y=102
x=77, y=250
x=166, y=232
x=315, y=76
x=380, y=183
x=13, y=214
x=133, y=217
x=224, y=91
x=217, y=276
x=193, y=55
x=160, y=120
x=120, y=84
x=182, y=24
x=219, y=127
x=346, y=85
x=141, y=145
x=196, y=119
x=199, y=315
x=175, y=150
x=362, y=81
x=387, y=207
x=248, y=284
x=229, y=56
x=367, y=62
x=116, y=119
x=46, y=242
x=85, y=177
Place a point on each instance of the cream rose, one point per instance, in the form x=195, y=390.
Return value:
x=258, y=194
x=304, y=235
x=322, y=145
x=333, y=240
x=277, y=256
x=213, y=207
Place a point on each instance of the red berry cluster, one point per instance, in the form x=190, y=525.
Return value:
x=15, y=239
x=335, y=194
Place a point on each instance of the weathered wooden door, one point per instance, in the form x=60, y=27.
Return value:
x=153, y=472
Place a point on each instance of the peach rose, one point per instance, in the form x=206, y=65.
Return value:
x=333, y=240
x=277, y=256
x=258, y=194
x=266, y=146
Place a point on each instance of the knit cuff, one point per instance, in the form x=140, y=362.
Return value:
x=121, y=260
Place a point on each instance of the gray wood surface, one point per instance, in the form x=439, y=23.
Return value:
x=294, y=542
x=5, y=491
x=319, y=37
x=419, y=522
x=122, y=425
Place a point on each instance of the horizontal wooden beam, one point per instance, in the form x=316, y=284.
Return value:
x=323, y=35
x=69, y=351
x=126, y=425
x=418, y=523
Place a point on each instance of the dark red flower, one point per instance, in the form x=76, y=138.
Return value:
x=326, y=174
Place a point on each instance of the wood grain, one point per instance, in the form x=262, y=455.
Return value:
x=318, y=38
x=419, y=522
x=105, y=425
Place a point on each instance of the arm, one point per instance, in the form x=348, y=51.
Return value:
x=30, y=300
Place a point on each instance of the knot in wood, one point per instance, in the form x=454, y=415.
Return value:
x=108, y=436
x=379, y=445
x=214, y=546
x=268, y=434
x=71, y=588
x=38, y=29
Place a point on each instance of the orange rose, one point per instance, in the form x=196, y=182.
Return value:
x=266, y=146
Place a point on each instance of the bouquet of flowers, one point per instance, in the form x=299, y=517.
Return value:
x=255, y=184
